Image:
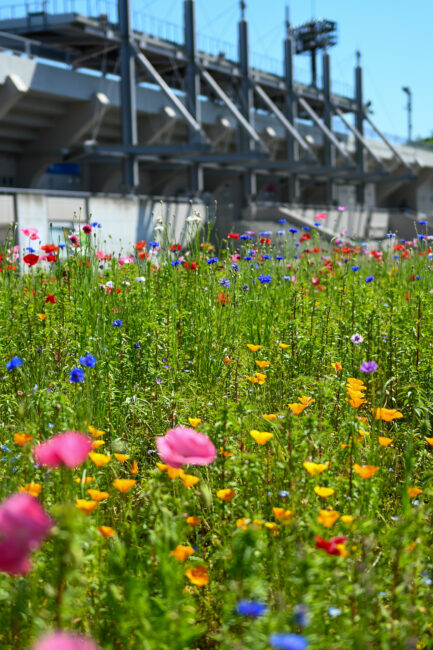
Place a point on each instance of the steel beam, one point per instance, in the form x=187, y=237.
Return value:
x=232, y=108
x=140, y=150
x=292, y=146
x=326, y=132
x=388, y=143
x=329, y=151
x=127, y=94
x=191, y=121
x=359, y=123
x=246, y=103
x=294, y=134
x=192, y=87
x=358, y=136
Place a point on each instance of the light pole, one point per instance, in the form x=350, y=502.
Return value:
x=408, y=92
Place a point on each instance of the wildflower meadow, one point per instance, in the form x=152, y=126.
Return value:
x=216, y=445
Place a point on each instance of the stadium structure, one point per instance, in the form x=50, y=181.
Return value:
x=115, y=116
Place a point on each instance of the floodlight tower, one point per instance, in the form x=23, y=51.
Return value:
x=408, y=92
x=127, y=94
x=312, y=36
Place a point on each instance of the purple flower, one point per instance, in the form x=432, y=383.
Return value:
x=368, y=367
x=225, y=283
x=288, y=642
x=356, y=339
x=264, y=279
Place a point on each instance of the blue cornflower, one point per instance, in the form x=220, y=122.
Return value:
x=266, y=257
x=422, y=223
x=15, y=362
x=300, y=615
x=306, y=228
x=235, y=267
x=421, y=237
x=282, y=221
x=117, y=323
x=251, y=608
x=95, y=224
x=293, y=230
x=334, y=611
x=248, y=258
x=317, y=223
x=288, y=642
x=279, y=257
x=30, y=249
x=369, y=279
x=287, y=277
x=264, y=279
x=76, y=376
x=245, y=237
x=4, y=448
x=88, y=360
x=296, y=256
x=153, y=244
x=175, y=262
x=225, y=283
x=283, y=493
x=266, y=233
x=212, y=260
x=62, y=245
x=280, y=232
x=355, y=268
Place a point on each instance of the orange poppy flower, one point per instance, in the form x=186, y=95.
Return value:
x=124, y=484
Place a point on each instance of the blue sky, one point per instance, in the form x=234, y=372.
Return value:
x=392, y=35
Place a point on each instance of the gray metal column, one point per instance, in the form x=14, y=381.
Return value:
x=359, y=124
x=292, y=147
x=192, y=88
x=246, y=101
x=329, y=153
x=127, y=94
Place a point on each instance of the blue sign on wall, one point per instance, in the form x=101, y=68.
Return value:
x=66, y=169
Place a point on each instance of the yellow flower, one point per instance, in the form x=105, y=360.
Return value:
x=356, y=382
x=253, y=348
x=258, y=523
x=226, y=454
x=253, y=380
x=328, y=518
x=306, y=400
x=241, y=523
x=296, y=408
x=124, y=484
x=356, y=402
x=226, y=494
x=315, y=468
x=263, y=364
x=365, y=471
x=122, y=458
x=355, y=394
x=430, y=441
x=86, y=506
x=270, y=416
x=281, y=513
x=261, y=437
x=261, y=378
x=99, y=459
x=106, y=531
x=271, y=525
x=189, y=480
x=22, y=439
x=193, y=521
x=173, y=472
x=323, y=491
x=384, y=442
x=42, y=316
x=96, y=433
x=343, y=550
x=181, y=552
x=337, y=365
x=97, y=495
x=198, y=576
x=388, y=415
x=162, y=467
x=97, y=443
x=283, y=346
x=34, y=489
x=227, y=360
x=194, y=422
x=134, y=467
x=413, y=492
x=87, y=480
x=347, y=519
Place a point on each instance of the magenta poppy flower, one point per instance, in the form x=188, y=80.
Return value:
x=126, y=260
x=87, y=228
x=23, y=526
x=74, y=240
x=184, y=446
x=69, y=448
x=32, y=233
x=65, y=641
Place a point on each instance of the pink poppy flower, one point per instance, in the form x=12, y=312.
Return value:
x=100, y=255
x=126, y=260
x=23, y=526
x=69, y=448
x=65, y=641
x=87, y=228
x=32, y=233
x=184, y=446
x=74, y=240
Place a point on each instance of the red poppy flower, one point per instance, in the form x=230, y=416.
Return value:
x=140, y=245
x=223, y=298
x=31, y=259
x=233, y=235
x=175, y=247
x=304, y=237
x=51, y=299
x=266, y=240
x=49, y=248
x=331, y=546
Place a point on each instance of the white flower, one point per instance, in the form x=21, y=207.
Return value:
x=158, y=228
x=193, y=218
x=141, y=278
x=110, y=284
x=126, y=283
